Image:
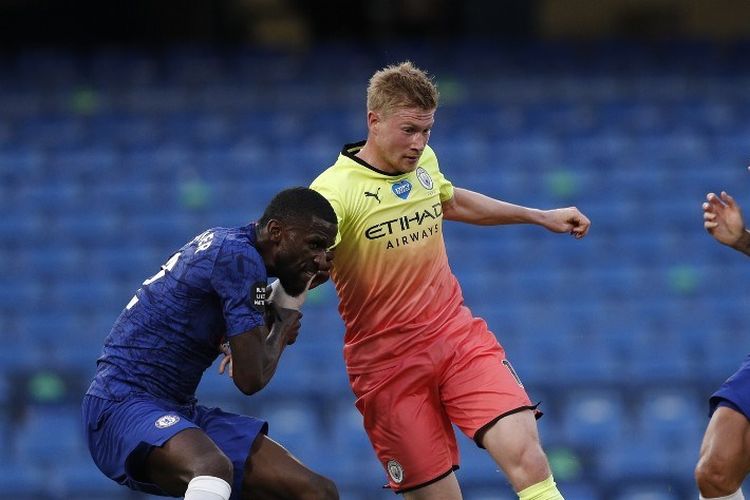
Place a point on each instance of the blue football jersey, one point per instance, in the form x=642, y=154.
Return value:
x=171, y=330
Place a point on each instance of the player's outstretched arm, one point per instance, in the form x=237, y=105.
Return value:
x=255, y=354
x=722, y=218
x=476, y=208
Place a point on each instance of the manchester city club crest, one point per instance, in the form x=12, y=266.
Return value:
x=166, y=421
x=395, y=471
x=424, y=178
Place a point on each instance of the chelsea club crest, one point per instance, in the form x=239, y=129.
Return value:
x=166, y=421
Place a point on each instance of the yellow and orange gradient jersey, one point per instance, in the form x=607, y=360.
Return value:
x=396, y=291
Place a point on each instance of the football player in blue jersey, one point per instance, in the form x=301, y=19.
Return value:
x=144, y=427
x=725, y=452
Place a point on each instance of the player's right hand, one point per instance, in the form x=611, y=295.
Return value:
x=566, y=220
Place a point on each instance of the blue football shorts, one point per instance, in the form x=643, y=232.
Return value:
x=735, y=392
x=120, y=434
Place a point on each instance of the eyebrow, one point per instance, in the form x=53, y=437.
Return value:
x=414, y=125
x=317, y=238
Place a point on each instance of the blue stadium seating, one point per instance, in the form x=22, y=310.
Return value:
x=671, y=417
x=349, y=458
x=623, y=334
x=630, y=460
x=80, y=478
x=594, y=418
x=48, y=433
x=650, y=492
x=23, y=481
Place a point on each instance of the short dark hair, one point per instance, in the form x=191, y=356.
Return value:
x=298, y=203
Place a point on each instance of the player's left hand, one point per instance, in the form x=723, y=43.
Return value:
x=566, y=220
x=292, y=331
x=722, y=218
x=226, y=363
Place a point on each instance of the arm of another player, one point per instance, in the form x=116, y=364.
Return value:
x=722, y=218
x=255, y=354
x=476, y=208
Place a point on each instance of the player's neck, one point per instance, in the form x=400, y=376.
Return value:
x=369, y=155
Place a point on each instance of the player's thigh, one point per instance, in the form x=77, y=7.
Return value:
x=186, y=455
x=234, y=434
x=726, y=442
x=271, y=472
x=479, y=385
x=406, y=423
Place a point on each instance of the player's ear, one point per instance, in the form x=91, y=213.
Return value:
x=373, y=119
x=275, y=229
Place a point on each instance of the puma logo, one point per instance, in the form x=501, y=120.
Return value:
x=374, y=195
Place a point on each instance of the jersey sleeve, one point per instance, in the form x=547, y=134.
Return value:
x=445, y=187
x=325, y=185
x=239, y=278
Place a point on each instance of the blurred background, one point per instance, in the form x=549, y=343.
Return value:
x=127, y=129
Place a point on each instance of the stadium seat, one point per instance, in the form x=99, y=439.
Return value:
x=219, y=390
x=296, y=374
x=631, y=459
x=489, y=493
x=23, y=481
x=295, y=425
x=594, y=418
x=6, y=429
x=578, y=490
x=48, y=433
x=80, y=478
x=86, y=228
x=350, y=459
x=656, y=492
x=670, y=417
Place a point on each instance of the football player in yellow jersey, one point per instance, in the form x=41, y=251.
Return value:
x=417, y=359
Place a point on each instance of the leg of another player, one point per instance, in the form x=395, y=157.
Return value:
x=190, y=464
x=272, y=473
x=513, y=442
x=725, y=455
x=445, y=489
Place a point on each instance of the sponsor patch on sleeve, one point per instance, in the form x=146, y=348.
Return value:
x=258, y=296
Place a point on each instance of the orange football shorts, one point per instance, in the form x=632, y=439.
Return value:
x=408, y=409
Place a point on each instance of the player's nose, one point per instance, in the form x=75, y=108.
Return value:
x=322, y=262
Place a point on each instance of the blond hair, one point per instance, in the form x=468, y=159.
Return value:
x=401, y=86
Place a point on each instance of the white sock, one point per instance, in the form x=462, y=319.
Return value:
x=208, y=488
x=737, y=495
